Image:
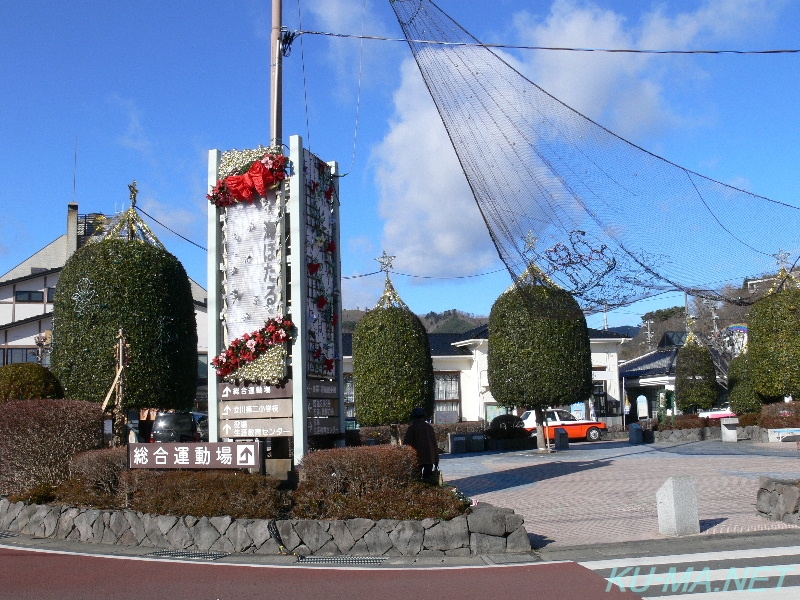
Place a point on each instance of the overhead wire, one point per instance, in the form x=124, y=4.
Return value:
x=550, y=48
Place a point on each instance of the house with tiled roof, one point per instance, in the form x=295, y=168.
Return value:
x=462, y=391
x=28, y=289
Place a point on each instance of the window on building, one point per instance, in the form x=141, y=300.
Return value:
x=602, y=407
x=446, y=392
x=29, y=296
x=21, y=355
x=51, y=294
x=349, y=397
x=2, y=357
x=202, y=369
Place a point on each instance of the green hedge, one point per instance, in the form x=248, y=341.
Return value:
x=143, y=290
x=28, y=381
x=378, y=482
x=38, y=438
x=392, y=367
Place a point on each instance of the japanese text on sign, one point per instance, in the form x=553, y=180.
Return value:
x=218, y=455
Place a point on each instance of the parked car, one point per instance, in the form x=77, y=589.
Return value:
x=577, y=429
x=717, y=413
x=175, y=427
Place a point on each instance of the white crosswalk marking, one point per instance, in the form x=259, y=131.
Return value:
x=725, y=575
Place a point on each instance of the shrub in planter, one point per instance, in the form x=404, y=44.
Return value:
x=750, y=419
x=100, y=469
x=685, y=422
x=506, y=427
x=38, y=438
x=28, y=381
x=374, y=482
x=780, y=415
x=203, y=493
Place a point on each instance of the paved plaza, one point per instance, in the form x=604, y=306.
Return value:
x=605, y=492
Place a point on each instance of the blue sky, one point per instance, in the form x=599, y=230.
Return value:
x=147, y=88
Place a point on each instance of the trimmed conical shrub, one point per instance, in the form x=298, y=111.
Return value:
x=695, y=376
x=392, y=367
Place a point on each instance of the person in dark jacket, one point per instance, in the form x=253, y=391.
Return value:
x=422, y=438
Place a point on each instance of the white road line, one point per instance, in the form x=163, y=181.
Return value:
x=786, y=593
x=597, y=565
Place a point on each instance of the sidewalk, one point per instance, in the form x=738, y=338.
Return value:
x=605, y=492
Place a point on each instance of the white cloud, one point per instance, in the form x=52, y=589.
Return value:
x=134, y=136
x=432, y=223
x=628, y=92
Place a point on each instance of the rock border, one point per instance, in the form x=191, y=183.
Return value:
x=486, y=530
x=779, y=499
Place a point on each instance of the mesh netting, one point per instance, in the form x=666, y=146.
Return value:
x=566, y=198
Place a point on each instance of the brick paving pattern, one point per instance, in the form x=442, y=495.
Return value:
x=606, y=492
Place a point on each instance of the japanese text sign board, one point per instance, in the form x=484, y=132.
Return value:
x=229, y=391
x=323, y=426
x=255, y=428
x=253, y=409
x=322, y=389
x=323, y=407
x=215, y=455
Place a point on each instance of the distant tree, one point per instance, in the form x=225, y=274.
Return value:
x=392, y=366
x=664, y=314
x=742, y=395
x=539, y=352
x=695, y=376
x=774, y=345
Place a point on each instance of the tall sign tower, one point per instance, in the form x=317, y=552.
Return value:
x=274, y=299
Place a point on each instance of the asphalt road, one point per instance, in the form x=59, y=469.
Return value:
x=36, y=575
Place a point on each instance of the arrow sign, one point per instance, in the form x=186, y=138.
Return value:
x=245, y=456
x=226, y=428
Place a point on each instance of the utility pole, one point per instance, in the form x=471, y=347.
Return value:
x=649, y=333
x=276, y=76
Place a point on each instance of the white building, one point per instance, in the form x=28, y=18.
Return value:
x=27, y=291
x=462, y=385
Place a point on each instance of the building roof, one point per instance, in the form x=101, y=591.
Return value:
x=43, y=272
x=443, y=344
x=33, y=319
x=657, y=362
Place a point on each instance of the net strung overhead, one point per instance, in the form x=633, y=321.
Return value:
x=597, y=215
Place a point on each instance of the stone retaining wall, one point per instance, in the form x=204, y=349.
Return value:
x=778, y=500
x=751, y=432
x=486, y=530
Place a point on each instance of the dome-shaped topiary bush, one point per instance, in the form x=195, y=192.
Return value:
x=144, y=290
x=28, y=381
x=539, y=353
x=392, y=367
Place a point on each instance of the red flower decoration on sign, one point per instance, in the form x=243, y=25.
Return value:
x=314, y=267
x=322, y=301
